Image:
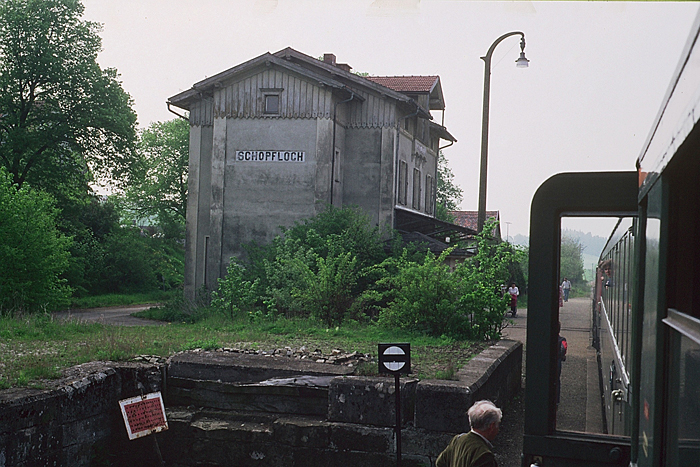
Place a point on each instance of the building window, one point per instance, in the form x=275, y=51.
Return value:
x=272, y=104
x=429, y=195
x=416, y=189
x=403, y=182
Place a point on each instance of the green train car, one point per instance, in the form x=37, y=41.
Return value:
x=645, y=303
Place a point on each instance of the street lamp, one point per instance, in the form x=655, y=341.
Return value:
x=520, y=63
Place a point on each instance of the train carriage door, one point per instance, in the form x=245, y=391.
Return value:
x=669, y=418
x=609, y=194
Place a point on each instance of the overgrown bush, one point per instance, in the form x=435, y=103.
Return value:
x=423, y=297
x=481, y=279
x=334, y=267
x=329, y=289
x=33, y=253
x=235, y=294
x=316, y=267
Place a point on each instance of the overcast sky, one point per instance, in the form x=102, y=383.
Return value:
x=598, y=70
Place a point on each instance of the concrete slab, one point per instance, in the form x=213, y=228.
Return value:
x=231, y=367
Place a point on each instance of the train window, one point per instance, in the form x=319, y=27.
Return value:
x=595, y=280
x=574, y=431
x=688, y=396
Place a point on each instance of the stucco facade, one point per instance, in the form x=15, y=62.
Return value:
x=278, y=138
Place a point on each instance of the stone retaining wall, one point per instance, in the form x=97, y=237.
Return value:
x=78, y=422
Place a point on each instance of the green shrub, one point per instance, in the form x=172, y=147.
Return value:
x=235, y=294
x=33, y=253
x=427, y=297
x=423, y=298
x=328, y=290
x=481, y=277
x=345, y=229
x=285, y=274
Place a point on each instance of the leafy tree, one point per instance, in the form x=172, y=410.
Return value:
x=62, y=117
x=448, y=193
x=159, y=178
x=571, y=259
x=33, y=253
x=88, y=220
x=482, y=278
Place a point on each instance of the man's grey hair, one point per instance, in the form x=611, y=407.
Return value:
x=483, y=413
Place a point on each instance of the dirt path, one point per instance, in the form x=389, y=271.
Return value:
x=115, y=315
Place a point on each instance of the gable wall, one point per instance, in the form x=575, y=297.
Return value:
x=300, y=98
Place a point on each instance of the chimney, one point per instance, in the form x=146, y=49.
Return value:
x=329, y=59
x=344, y=67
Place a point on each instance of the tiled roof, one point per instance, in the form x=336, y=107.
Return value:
x=406, y=83
x=469, y=219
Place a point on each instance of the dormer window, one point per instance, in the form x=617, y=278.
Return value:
x=271, y=100
x=272, y=104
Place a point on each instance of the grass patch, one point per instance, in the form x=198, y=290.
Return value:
x=36, y=348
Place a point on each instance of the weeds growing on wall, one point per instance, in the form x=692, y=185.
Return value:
x=336, y=267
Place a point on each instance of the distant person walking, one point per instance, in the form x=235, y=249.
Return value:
x=473, y=449
x=566, y=288
x=514, y=293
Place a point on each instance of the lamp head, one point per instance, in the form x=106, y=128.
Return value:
x=522, y=62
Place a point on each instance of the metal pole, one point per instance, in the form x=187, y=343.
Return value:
x=481, y=215
x=398, y=420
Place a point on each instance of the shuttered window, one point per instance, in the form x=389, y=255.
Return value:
x=403, y=182
x=416, y=188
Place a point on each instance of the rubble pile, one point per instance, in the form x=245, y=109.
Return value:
x=335, y=357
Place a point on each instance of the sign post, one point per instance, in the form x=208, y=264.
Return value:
x=396, y=359
x=144, y=415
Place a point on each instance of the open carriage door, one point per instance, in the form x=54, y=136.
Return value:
x=604, y=194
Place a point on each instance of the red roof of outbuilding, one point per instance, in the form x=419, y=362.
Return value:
x=406, y=83
x=469, y=219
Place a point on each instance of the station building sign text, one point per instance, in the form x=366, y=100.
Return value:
x=271, y=156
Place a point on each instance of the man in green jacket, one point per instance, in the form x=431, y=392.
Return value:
x=473, y=449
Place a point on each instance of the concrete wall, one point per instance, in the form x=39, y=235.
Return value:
x=358, y=429
x=368, y=176
x=261, y=196
x=76, y=422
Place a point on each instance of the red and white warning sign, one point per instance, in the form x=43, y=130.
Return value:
x=144, y=415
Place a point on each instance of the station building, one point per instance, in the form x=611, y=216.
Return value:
x=276, y=139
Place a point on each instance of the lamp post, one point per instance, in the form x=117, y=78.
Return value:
x=520, y=63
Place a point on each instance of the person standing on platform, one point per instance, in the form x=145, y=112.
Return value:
x=514, y=293
x=473, y=449
x=566, y=288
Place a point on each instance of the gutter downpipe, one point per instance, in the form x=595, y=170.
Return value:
x=396, y=159
x=335, y=123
